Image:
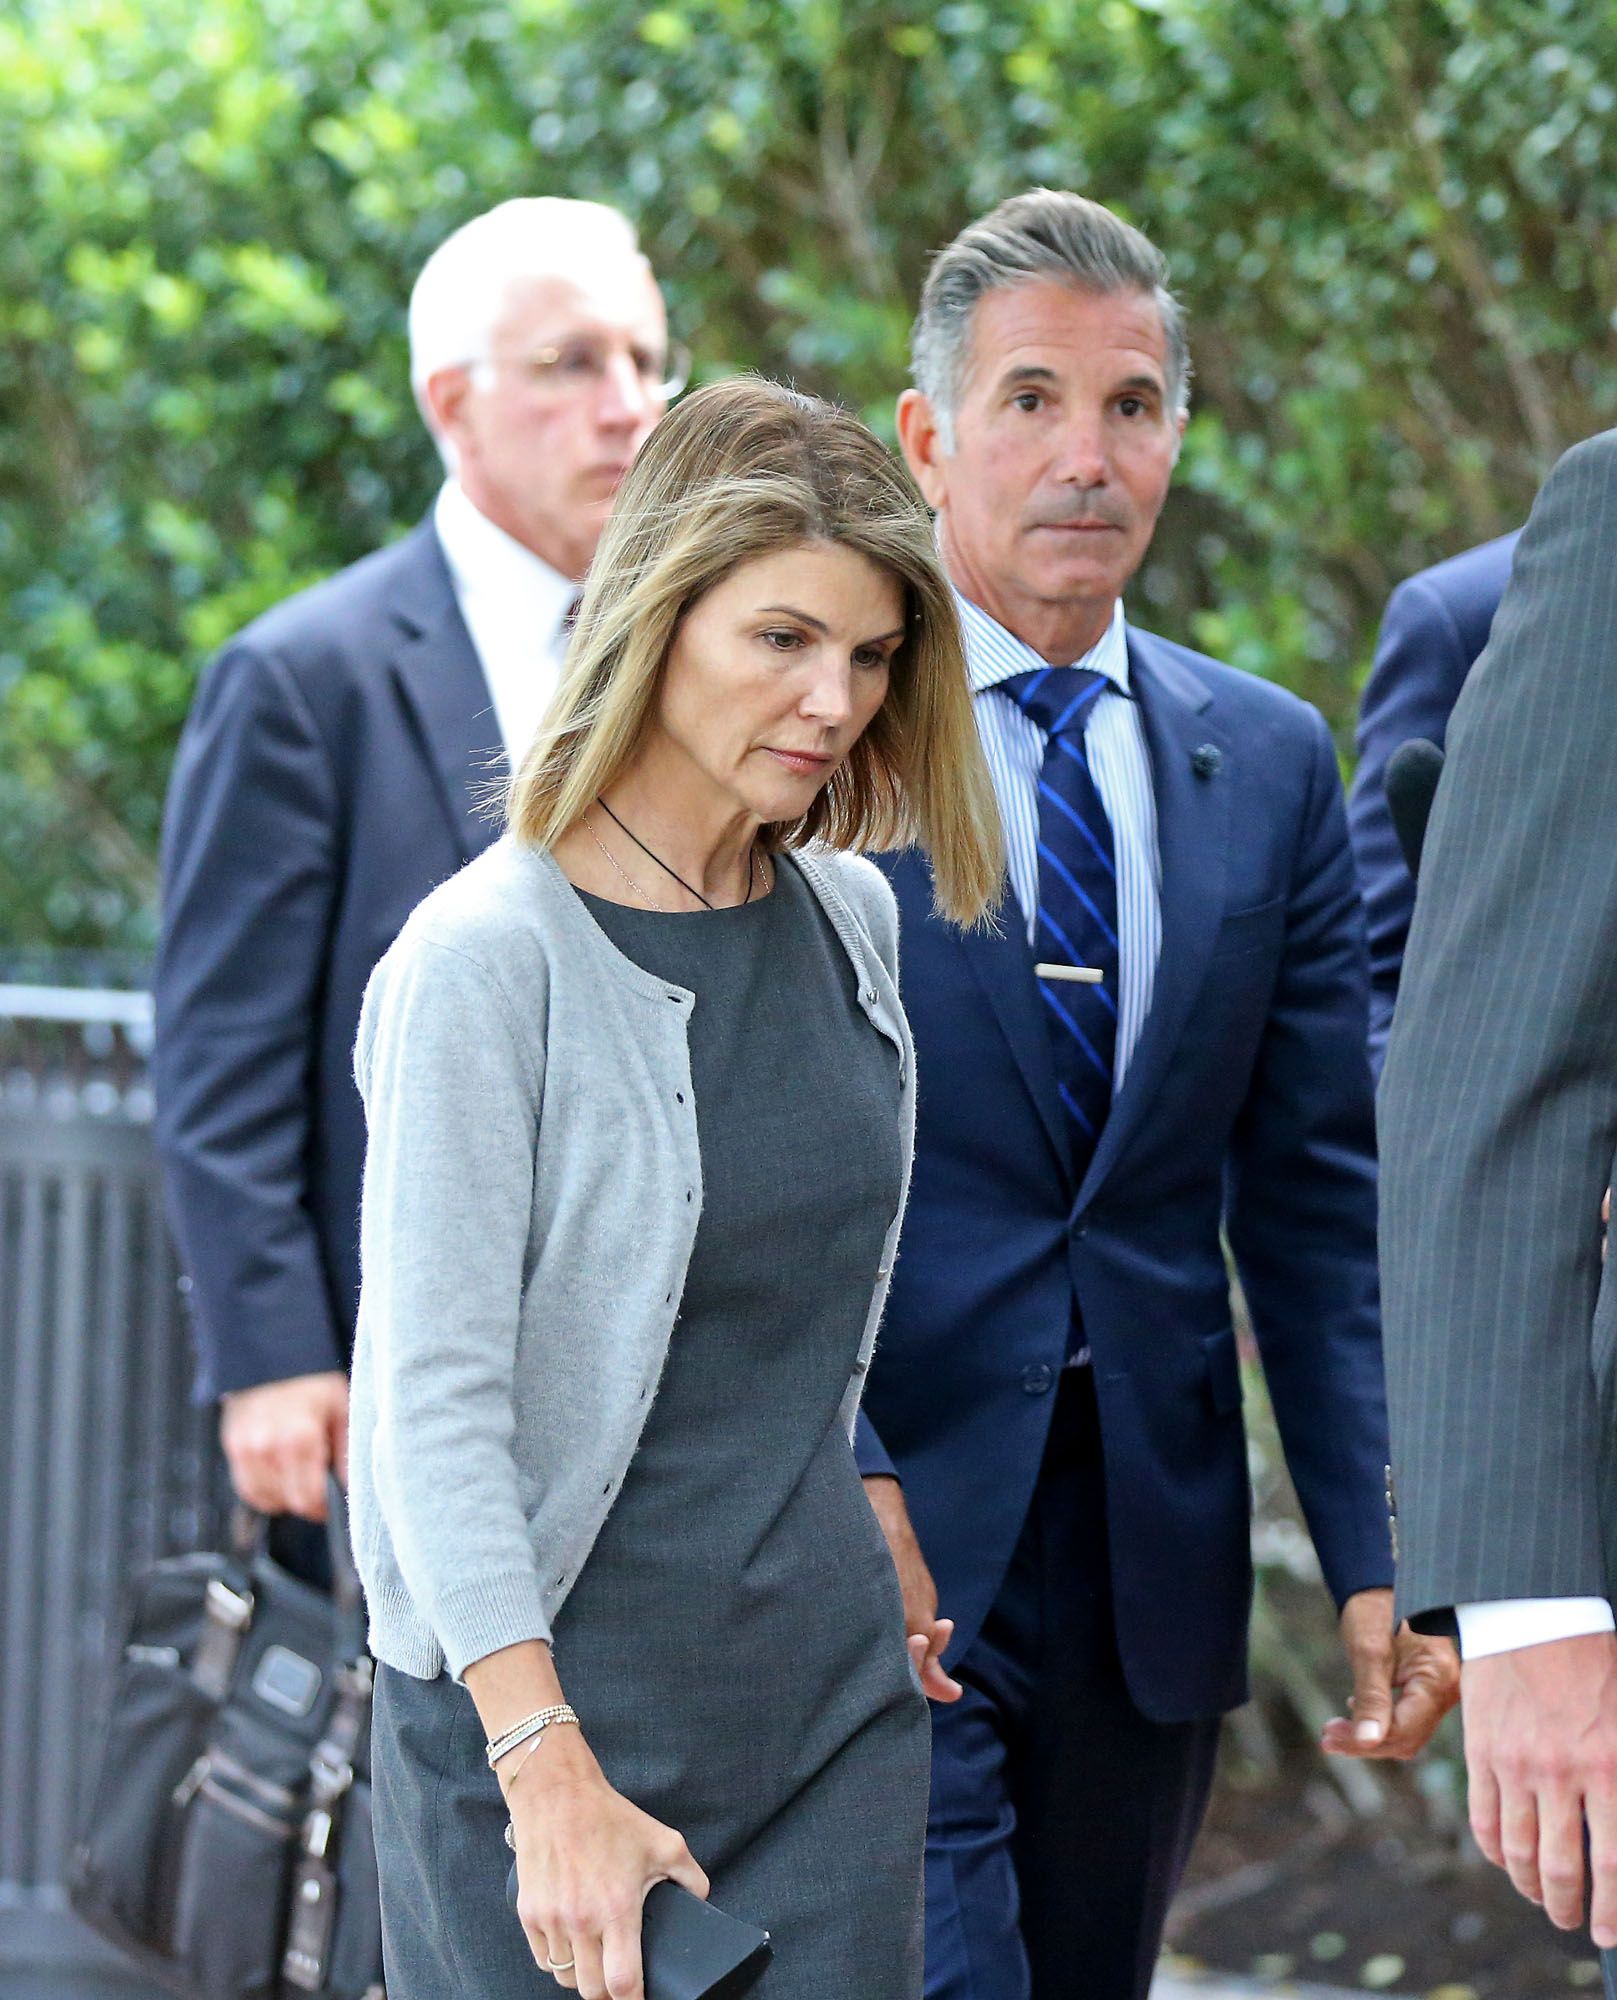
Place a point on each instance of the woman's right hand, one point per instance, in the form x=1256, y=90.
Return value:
x=586, y=1856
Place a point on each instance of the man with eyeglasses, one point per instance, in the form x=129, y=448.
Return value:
x=336, y=766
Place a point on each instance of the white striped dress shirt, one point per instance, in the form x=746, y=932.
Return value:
x=1114, y=742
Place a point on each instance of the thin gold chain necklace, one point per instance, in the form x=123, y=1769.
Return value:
x=628, y=833
x=618, y=869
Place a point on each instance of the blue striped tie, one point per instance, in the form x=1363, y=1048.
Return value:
x=1077, y=916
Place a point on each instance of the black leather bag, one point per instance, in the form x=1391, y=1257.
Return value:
x=227, y=1845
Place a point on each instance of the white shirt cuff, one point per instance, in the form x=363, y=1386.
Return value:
x=1512, y=1622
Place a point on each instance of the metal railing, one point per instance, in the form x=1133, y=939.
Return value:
x=105, y=1463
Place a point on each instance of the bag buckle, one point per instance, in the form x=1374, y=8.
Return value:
x=229, y=1613
x=330, y=1774
x=354, y=1677
x=233, y=1609
x=317, y=1833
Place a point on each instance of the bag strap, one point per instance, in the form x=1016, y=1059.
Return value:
x=331, y=1769
x=346, y=1594
x=314, y=1879
x=227, y=1607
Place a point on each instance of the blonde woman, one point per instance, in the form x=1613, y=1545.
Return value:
x=641, y=1097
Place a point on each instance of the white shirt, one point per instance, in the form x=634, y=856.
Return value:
x=514, y=605
x=1512, y=1622
x=1114, y=742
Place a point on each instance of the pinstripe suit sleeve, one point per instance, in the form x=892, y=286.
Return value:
x=1498, y=1106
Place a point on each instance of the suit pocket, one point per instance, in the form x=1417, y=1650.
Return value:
x=1223, y=1370
x=1251, y=929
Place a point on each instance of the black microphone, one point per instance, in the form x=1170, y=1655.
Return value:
x=1413, y=770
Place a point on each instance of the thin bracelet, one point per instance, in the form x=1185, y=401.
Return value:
x=507, y=1780
x=530, y=1725
x=498, y=1745
x=532, y=1736
x=530, y=1746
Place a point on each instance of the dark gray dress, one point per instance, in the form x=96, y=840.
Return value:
x=735, y=1642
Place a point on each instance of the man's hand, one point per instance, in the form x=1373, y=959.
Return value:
x=282, y=1438
x=1541, y=1750
x=1404, y=1683
x=928, y=1633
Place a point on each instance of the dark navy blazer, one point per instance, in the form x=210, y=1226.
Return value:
x=1435, y=627
x=329, y=775
x=1247, y=1103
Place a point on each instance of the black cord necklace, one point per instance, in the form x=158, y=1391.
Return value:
x=752, y=868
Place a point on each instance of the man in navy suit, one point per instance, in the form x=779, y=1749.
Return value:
x=1053, y=1421
x=333, y=770
x=1433, y=633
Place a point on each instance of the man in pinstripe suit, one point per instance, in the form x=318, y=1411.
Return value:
x=1054, y=1427
x=1498, y=1121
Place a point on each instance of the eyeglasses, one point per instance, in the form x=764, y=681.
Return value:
x=578, y=368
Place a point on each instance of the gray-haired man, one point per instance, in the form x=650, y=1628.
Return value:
x=332, y=772
x=1057, y=1385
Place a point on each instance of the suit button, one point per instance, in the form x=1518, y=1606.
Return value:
x=1037, y=1379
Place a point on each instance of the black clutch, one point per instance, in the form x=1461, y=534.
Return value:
x=691, y=1951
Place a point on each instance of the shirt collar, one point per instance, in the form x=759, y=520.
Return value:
x=487, y=563
x=994, y=654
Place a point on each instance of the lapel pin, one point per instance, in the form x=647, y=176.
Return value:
x=1206, y=760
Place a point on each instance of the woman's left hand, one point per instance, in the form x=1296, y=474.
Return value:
x=928, y=1633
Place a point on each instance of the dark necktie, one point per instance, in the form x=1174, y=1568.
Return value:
x=1077, y=914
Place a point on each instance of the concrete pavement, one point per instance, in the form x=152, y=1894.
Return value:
x=56, y=1984
x=1178, y=1982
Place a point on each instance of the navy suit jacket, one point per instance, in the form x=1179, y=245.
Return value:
x=1247, y=1104
x=1435, y=627
x=330, y=774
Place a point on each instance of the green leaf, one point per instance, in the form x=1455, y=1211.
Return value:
x=664, y=29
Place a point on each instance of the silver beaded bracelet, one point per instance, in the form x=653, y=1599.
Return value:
x=528, y=1729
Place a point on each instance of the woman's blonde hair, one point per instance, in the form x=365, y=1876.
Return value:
x=736, y=471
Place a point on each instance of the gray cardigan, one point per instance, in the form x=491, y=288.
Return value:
x=532, y=1189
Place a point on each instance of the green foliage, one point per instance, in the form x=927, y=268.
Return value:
x=1392, y=221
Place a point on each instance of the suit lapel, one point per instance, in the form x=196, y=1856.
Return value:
x=443, y=685
x=1003, y=964
x=1192, y=828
